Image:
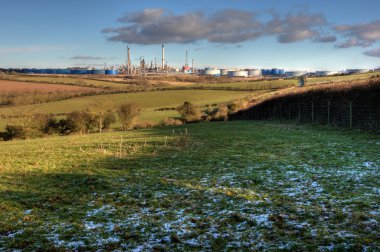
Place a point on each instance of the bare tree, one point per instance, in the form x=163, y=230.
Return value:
x=128, y=114
x=102, y=114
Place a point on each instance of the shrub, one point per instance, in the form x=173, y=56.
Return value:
x=170, y=121
x=28, y=126
x=76, y=122
x=189, y=112
x=128, y=113
x=102, y=115
x=144, y=125
x=221, y=112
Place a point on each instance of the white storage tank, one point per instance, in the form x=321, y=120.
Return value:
x=212, y=72
x=357, y=71
x=224, y=71
x=254, y=73
x=238, y=73
x=295, y=73
x=325, y=73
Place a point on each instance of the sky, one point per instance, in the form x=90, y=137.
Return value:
x=291, y=34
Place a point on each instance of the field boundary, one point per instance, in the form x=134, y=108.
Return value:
x=350, y=106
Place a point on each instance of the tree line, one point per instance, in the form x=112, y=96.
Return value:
x=99, y=116
x=95, y=118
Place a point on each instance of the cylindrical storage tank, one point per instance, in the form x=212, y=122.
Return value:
x=238, y=73
x=111, y=72
x=212, y=72
x=62, y=71
x=281, y=71
x=295, y=73
x=26, y=70
x=51, y=71
x=224, y=71
x=201, y=71
x=268, y=72
x=98, y=71
x=254, y=72
x=275, y=71
x=78, y=71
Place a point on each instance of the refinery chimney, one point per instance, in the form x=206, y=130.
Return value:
x=163, y=57
x=129, y=60
x=186, y=58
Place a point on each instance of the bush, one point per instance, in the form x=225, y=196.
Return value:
x=144, y=125
x=222, y=112
x=76, y=122
x=29, y=126
x=189, y=112
x=170, y=121
x=128, y=113
x=102, y=115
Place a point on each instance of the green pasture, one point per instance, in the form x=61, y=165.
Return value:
x=148, y=102
x=216, y=186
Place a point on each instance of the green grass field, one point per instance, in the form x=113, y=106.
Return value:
x=148, y=101
x=228, y=186
x=331, y=79
x=255, y=85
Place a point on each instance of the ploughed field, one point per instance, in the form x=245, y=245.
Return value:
x=18, y=86
x=212, y=186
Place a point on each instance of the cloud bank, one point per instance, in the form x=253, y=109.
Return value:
x=228, y=26
x=373, y=52
x=362, y=35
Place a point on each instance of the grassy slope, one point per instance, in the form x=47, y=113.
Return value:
x=146, y=100
x=255, y=85
x=261, y=186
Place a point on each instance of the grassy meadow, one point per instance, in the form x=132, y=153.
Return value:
x=210, y=186
x=148, y=101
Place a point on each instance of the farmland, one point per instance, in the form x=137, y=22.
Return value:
x=148, y=101
x=262, y=186
x=16, y=86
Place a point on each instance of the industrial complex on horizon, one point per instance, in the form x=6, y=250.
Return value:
x=144, y=69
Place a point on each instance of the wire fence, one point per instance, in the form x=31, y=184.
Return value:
x=350, y=114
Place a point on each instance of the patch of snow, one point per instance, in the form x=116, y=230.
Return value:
x=29, y=211
x=91, y=225
x=368, y=164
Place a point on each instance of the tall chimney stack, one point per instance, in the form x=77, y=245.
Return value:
x=186, y=58
x=163, y=57
x=129, y=60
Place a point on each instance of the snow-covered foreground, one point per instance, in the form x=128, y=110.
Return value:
x=238, y=194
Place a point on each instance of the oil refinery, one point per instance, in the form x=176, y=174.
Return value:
x=144, y=69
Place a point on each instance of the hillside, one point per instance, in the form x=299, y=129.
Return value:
x=348, y=104
x=262, y=186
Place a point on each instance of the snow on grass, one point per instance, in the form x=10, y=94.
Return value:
x=264, y=195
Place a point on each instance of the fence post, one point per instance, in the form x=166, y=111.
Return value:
x=312, y=111
x=350, y=114
x=328, y=112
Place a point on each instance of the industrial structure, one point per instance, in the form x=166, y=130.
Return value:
x=144, y=68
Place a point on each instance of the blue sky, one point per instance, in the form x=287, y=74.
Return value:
x=239, y=33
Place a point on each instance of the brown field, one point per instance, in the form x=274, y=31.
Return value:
x=18, y=86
